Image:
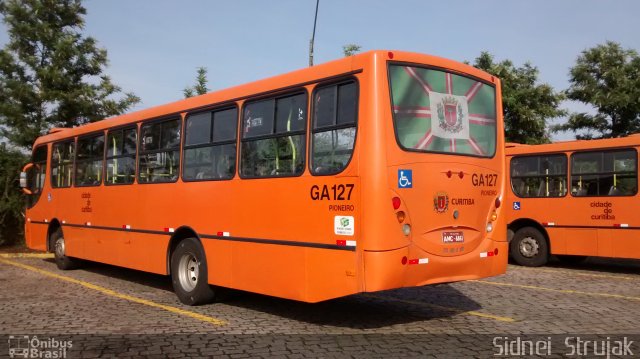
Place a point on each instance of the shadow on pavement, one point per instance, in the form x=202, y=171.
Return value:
x=366, y=310
x=144, y=278
x=359, y=311
x=599, y=264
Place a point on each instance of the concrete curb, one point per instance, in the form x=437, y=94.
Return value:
x=26, y=255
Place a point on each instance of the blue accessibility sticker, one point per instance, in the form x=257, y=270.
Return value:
x=405, y=179
x=516, y=206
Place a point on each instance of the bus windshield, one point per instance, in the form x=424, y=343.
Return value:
x=442, y=112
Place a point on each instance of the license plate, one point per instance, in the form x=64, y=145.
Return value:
x=452, y=237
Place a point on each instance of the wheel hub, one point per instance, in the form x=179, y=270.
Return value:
x=188, y=272
x=59, y=247
x=529, y=247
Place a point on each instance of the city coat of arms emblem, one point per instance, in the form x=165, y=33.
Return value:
x=441, y=202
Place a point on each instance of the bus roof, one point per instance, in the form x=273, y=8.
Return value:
x=325, y=71
x=575, y=145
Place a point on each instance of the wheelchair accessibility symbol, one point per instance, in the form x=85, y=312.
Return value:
x=516, y=206
x=405, y=179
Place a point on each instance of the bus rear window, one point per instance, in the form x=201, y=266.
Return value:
x=442, y=112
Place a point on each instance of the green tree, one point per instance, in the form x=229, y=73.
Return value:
x=606, y=77
x=527, y=104
x=200, y=87
x=11, y=199
x=50, y=74
x=350, y=49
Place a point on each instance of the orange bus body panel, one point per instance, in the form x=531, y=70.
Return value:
x=269, y=235
x=603, y=226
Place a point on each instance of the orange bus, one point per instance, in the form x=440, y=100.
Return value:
x=376, y=171
x=573, y=199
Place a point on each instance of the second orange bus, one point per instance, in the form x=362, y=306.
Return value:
x=573, y=199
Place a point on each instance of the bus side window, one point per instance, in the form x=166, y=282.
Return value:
x=605, y=173
x=62, y=163
x=335, y=112
x=89, y=157
x=159, y=158
x=121, y=156
x=539, y=176
x=273, y=137
x=210, y=145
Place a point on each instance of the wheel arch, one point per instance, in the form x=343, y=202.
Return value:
x=53, y=226
x=514, y=226
x=179, y=234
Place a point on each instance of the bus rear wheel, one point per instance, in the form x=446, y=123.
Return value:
x=189, y=273
x=62, y=261
x=529, y=247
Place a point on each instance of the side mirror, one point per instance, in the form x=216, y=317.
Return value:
x=23, y=179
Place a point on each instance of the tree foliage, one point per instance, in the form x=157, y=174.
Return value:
x=606, y=77
x=50, y=74
x=200, y=87
x=11, y=199
x=350, y=49
x=527, y=104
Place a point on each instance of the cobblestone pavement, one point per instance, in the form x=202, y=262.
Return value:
x=109, y=311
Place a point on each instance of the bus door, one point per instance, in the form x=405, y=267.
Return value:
x=32, y=180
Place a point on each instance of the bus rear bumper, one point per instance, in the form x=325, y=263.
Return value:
x=388, y=269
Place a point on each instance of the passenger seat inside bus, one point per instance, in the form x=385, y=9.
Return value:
x=581, y=192
x=614, y=191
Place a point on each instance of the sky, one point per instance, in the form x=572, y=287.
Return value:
x=155, y=46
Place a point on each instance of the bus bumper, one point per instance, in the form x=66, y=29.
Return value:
x=411, y=266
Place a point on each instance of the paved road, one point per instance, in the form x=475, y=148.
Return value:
x=107, y=311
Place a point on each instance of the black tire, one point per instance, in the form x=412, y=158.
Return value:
x=572, y=260
x=62, y=261
x=189, y=273
x=529, y=247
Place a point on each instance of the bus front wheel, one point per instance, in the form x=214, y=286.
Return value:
x=529, y=247
x=189, y=273
x=62, y=261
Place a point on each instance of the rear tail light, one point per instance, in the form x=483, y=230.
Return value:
x=401, y=216
x=495, y=251
x=396, y=202
x=498, y=203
